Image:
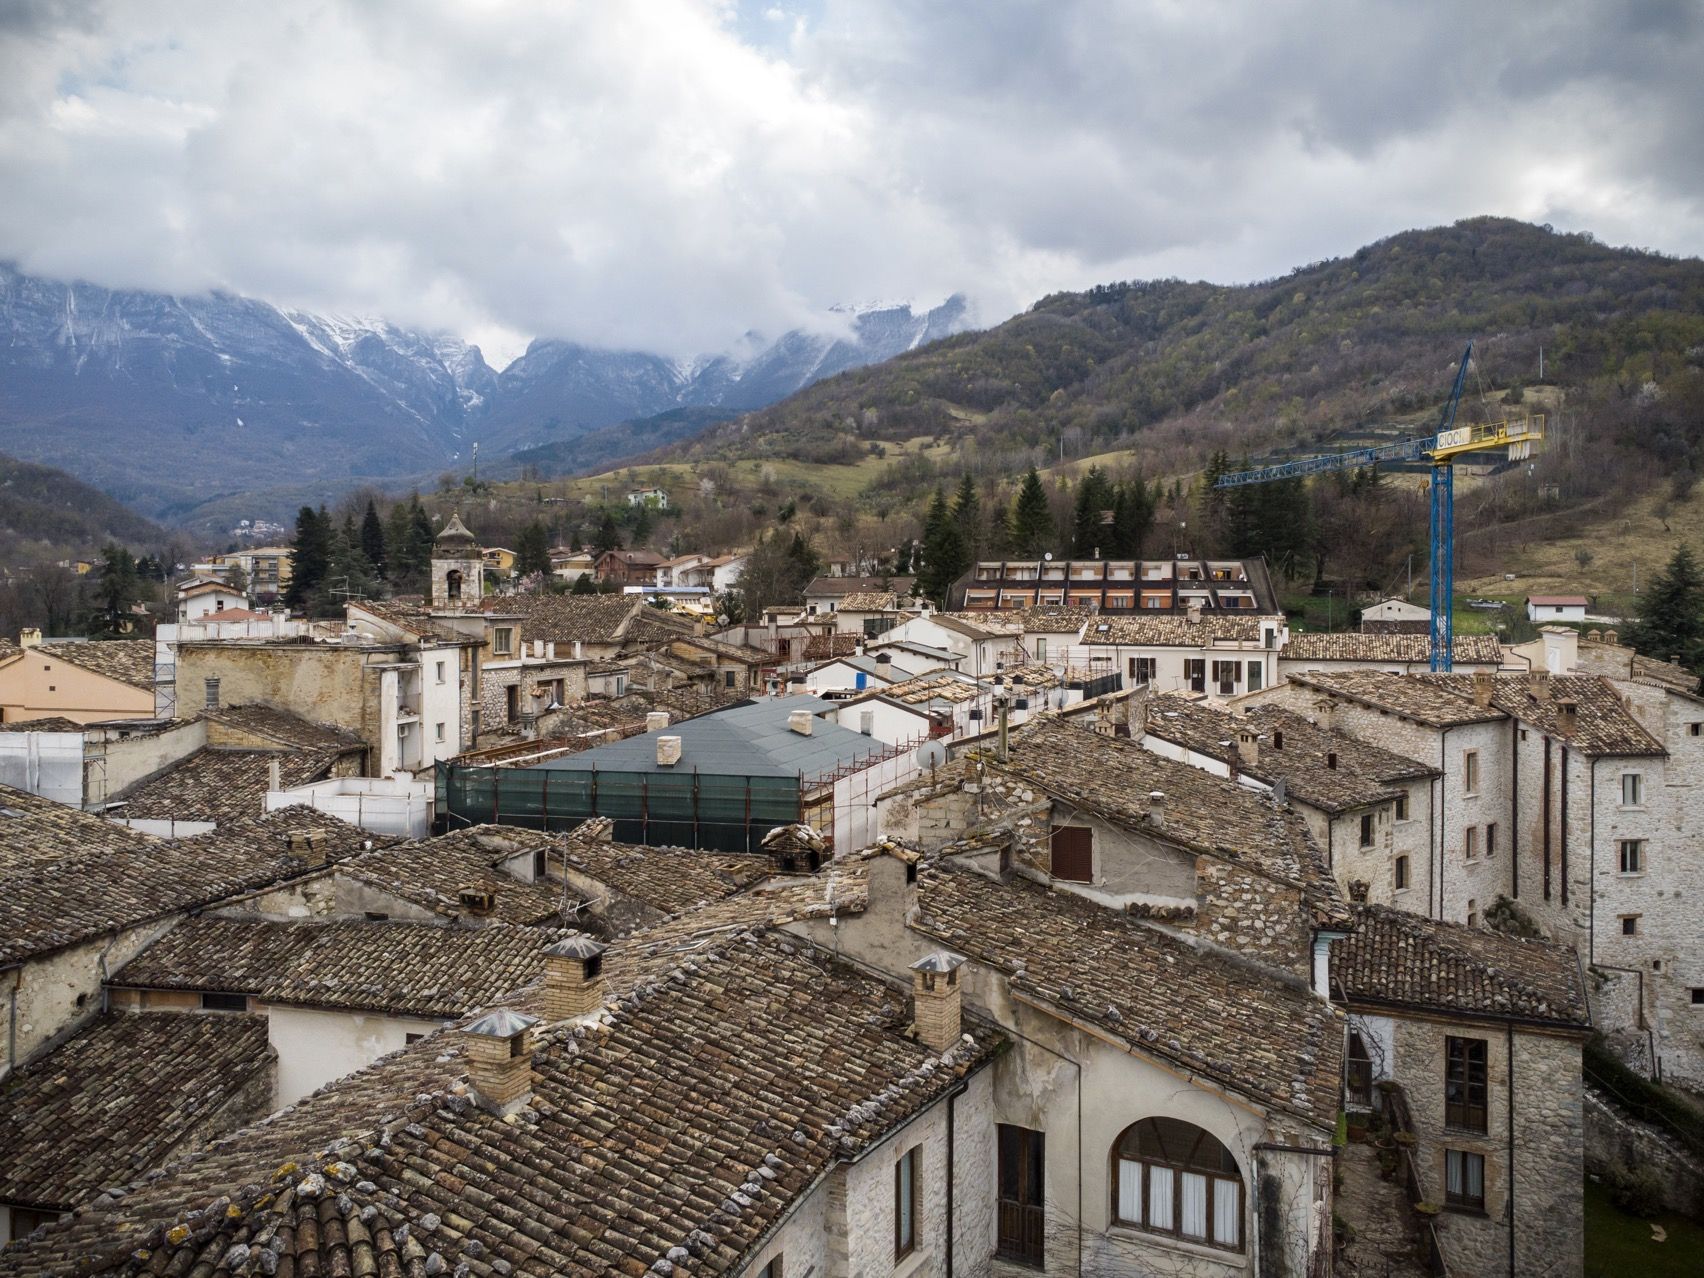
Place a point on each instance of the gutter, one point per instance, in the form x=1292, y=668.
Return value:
x=1509, y=1040
x=1443, y=814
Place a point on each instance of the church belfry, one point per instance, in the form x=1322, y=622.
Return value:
x=458, y=567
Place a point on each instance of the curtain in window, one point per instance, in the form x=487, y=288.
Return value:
x=1194, y=1205
x=1227, y=1213
x=1475, y=1178
x=1129, y=1190
x=1160, y=1197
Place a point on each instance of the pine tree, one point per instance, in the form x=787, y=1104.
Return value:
x=348, y=568
x=310, y=558
x=1671, y=614
x=1089, y=534
x=532, y=550
x=967, y=510
x=373, y=539
x=1030, y=529
x=117, y=589
x=945, y=556
x=608, y=537
x=1132, y=517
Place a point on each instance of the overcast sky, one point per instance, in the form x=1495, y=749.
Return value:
x=668, y=174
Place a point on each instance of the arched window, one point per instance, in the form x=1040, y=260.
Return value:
x=1172, y=1177
x=453, y=584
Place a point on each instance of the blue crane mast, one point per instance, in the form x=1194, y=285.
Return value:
x=1441, y=449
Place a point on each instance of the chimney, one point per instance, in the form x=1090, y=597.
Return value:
x=884, y=659
x=1612, y=637
x=668, y=751
x=573, y=977
x=867, y=723
x=656, y=720
x=936, y=1010
x=1157, y=809
x=29, y=637
x=274, y=777
x=307, y=844
x=1567, y=717
x=1326, y=709
x=800, y=721
x=1483, y=686
x=579, y=650
x=1538, y=684
x=1248, y=747
x=1194, y=613
x=499, y=1060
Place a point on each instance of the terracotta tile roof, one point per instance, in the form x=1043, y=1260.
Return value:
x=1173, y=631
x=1400, y=958
x=51, y=723
x=119, y=1097
x=870, y=601
x=1620, y=662
x=566, y=618
x=826, y=647
x=936, y=685
x=216, y=784
x=285, y=728
x=839, y=587
x=1292, y=748
x=432, y=872
x=980, y=625
x=1045, y=621
x=1113, y=778
x=1605, y=725
x=669, y=879
x=1477, y=650
x=128, y=661
x=732, y=651
x=1407, y=695
x=671, y=1137
x=403, y=969
x=66, y=876
x=1265, y=1037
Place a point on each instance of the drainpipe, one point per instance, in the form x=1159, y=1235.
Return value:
x=1591, y=871
x=12, y=1019
x=1444, y=806
x=1509, y=1038
x=1514, y=809
x=952, y=1146
x=1564, y=830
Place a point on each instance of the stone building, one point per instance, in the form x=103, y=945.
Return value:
x=1212, y=653
x=1393, y=652
x=1480, y=1035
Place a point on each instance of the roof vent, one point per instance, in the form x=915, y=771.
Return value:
x=499, y=1060
x=1248, y=747
x=884, y=659
x=668, y=751
x=800, y=721
x=656, y=720
x=1157, y=809
x=477, y=900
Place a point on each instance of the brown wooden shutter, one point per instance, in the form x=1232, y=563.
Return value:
x=1073, y=853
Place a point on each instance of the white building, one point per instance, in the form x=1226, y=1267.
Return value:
x=1556, y=607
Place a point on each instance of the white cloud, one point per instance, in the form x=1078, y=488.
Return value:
x=673, y=173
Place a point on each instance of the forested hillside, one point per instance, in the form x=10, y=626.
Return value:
x=46, y=513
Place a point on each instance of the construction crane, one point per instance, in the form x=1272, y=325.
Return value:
x=1441, y=448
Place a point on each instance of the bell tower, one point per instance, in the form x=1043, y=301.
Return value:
x=458, y=568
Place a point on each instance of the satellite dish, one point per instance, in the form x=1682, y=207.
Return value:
x=931, y=755
x=1048, y=556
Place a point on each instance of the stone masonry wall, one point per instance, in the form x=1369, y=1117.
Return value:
x=1614, y=1139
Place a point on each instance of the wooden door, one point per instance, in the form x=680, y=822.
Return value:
x=1021, y=1175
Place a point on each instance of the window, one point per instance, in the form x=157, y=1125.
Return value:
x=1472, y=912
x=1630, y=925
x=1698, y=996
x=1401, y=873
x=1142, y=669
x=1632, y=789
x=1470, y=847
x=1171, y=1177
x=1225, y=675
x=1465, y=1083
x=453, y=584
x=728, y=678
x=1632, y=855
x=1360, y=1073
x=1022, y=1217
x=437, y=732
x=503, y=640
x=440, y=670
x=772, y=1269
x=1195, y=671
x=1470, y=771
x=209, y=689
x=212, y=1002
x=26, y=1220
x=1402, y=807
x=538, y=865
x=907, y=1199
x=1368, y=831
x=1072, y=853
x=1256, y=676
x=1464, y=1179
x=1041, y=649
x=1695, y=729
x=1490, y=840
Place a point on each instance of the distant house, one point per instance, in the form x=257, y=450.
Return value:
x=1557, y=607
x=84, y=681
x=1396, y=616
x=656, y=498
x=571, y=565
x=627, y=567
x=498, y=559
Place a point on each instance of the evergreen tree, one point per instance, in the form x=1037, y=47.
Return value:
x=348, y=569
x=583, y=585
x=1246, y=526
x=776, y=572
x=1132, y=517
x=608, y=537
x=421, y=539
x=310, y=559
x=1671, y=614
x=945, y=555
x=1211, y=515
x=902, y=561
x=373, y=539
x=1030, y=528
x=532, y=550
x=967, y=511
x=117, y=589
x=1089, y=533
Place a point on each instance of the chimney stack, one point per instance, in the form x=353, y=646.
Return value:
x=1194, y=613
x=309, y=845
x=1157, y=809
x=800, y=721
x=937, y=1010
x=29, y=637
x=1248, y=747
x=656, y=720
x=1483, y=687
x=573, y=977
x=1567, y=717
x=668, y=751
x=867, y=723
x=1538, y=683
x=499, y=1060
x=274, y=776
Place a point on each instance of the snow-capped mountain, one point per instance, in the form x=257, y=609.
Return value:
x=165, y=401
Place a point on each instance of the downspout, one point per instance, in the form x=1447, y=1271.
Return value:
x=952, y=1146
x=1591, y=869
x=1563, y=833
x=12, y=1019
x=1432, y=814
x=1443, y=814
x=1546, y=818
x=1509, y=1033
x=1515, y=809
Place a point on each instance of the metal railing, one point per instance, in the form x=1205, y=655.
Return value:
x=1394, y=1105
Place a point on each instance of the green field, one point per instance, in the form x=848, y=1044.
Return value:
x=1618, y=1245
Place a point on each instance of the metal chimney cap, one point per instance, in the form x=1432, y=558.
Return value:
x=502, y=1023
x=578, y=946
x=939, y=961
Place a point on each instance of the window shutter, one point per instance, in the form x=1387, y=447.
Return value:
x=1072, y=853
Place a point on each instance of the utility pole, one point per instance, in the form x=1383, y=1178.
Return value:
x=476, y=464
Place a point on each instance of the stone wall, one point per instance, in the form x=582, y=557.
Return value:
x=1615, y=1139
